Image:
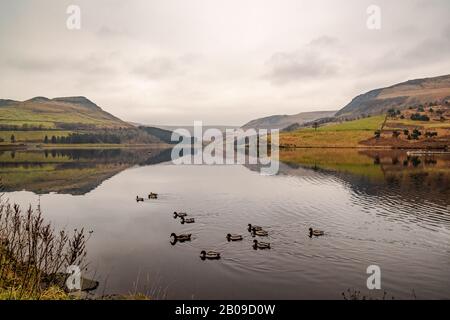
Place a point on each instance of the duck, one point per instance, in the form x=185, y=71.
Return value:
x=234, y=237
x=187, y=220
x=181, y=237
x=260, y=233
x=253, y=228
x=179, y=214
x=260, y=245
x=211, y=255
x=316, y=233
x=138, y=199
x=153, y=195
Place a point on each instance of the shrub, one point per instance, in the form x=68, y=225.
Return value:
x=33, y=255
x=419, y=117
x=377, y=134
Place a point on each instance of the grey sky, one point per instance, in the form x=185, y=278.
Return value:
x=223, y=62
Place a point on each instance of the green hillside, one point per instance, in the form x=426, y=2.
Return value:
x=59, y=113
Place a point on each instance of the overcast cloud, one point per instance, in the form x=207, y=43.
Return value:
x=223, y=62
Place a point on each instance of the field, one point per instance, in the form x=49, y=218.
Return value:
x=337, y=135
x=361, y=132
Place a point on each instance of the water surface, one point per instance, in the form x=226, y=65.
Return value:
x=379, y=208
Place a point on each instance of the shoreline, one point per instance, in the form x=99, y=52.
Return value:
x=27, y=147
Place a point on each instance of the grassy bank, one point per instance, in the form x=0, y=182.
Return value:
x=337, y=135
x=33, y=255
x=361, y=133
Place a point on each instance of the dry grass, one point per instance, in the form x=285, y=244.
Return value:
x=32, y=254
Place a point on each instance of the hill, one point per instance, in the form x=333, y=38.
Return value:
x=401, y=96
x=66, y=113
x=283, y=121
x=162, y=134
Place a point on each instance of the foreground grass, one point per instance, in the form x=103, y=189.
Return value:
x=33, y=255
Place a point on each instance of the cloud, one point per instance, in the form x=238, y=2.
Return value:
x=163, y=67
x=91, y=63
x=312, y=62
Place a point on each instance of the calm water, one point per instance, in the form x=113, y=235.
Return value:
x=376, y=208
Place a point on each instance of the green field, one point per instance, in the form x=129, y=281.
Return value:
x=366, y=124
x=352, y=134
x=337, y=135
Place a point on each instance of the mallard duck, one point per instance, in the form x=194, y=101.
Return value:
x=234, y=237
x=211, y=255
x=260, y=233
x=138, y=199
x=153, y=195
x=187, y=220
x=179, y=214
x=260, y=245
x=181, y=237
x=316, y=233
x=253, y=228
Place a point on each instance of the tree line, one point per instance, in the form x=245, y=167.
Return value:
x=77, y=138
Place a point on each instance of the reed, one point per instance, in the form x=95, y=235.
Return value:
x=33, y=255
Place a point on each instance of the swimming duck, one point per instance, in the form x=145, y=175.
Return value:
x=179, y=214
x=153, y=195
x=211, y=255
x=181, y=237
x=187, y=220
x=234, y=237
x=260, y=233
x=316, y=233
x=253, y=228
x=138, y=199
x=260, y=245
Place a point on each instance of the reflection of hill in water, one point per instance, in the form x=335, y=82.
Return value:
x=75, y=172
x=390, y=175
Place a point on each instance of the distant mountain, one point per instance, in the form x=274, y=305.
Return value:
x=399, y=96
x=190, y=128
x=284, y=121
x=65, y=112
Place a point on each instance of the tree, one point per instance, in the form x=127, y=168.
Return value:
x=377, y=134
x=392, y=112
x=46, y=139
x=13, y=139
x=315, y=125
x=53, y=139
x=419, y=117
x=416, y=134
